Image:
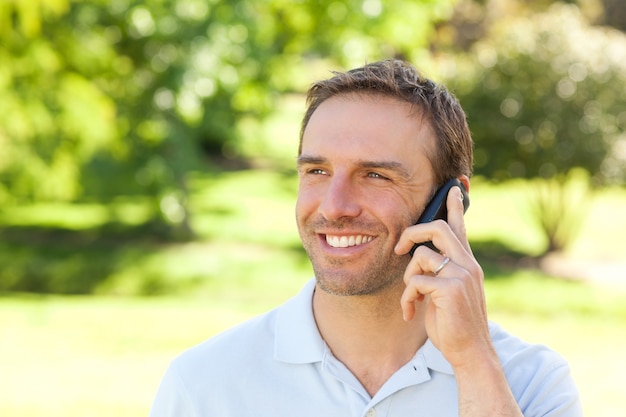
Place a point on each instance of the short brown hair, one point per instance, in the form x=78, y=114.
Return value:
x=400, y=80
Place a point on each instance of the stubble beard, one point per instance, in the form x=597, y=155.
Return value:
x=340, y=280
x=338, y=276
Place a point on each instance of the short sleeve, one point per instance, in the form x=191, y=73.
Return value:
x=172, y=399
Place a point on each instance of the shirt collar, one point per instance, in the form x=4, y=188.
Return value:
x=298, y=340
x=434, y=359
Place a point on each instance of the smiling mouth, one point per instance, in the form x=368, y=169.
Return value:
x=347, y=241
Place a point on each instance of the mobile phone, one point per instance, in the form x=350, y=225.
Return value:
x=436, y=208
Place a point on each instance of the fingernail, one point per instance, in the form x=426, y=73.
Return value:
x=459, y=193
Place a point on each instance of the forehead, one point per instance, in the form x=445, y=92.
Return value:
x=365, y=126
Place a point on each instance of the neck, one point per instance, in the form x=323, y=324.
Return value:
x=367, y=333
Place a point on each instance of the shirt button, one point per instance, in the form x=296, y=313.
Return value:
x=371, y=412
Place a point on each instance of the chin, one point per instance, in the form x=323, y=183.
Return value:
x=348, y=285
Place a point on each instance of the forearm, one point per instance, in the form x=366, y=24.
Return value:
x=483, y=389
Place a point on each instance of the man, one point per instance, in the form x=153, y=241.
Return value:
x=379, y=332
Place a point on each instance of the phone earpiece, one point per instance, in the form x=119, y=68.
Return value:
x=436, y=208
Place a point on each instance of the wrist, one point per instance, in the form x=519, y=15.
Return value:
x=476, y=361
x=483, y=388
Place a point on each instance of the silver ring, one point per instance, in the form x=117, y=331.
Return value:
x=445, y=262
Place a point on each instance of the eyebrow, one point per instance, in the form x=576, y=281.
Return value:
x=312, y=160
x=393, y=166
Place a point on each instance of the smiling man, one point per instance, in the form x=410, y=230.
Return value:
x=364, y=177
x=378, y=332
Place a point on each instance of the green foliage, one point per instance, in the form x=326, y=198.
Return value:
x=104, y=102
x=544, y=97
x=101, y=99
x=247, y=232
x=163, y=79
x=244, y=222
x=53, y=119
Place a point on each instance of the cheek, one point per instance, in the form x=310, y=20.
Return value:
x=399, y=225
x=309, y=197
x=398, y=218
x=305, y=206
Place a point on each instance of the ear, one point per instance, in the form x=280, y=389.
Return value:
x=465, y=181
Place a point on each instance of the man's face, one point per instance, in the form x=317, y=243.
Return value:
x=364, y=177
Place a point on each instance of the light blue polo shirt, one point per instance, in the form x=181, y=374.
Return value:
x=278, y=365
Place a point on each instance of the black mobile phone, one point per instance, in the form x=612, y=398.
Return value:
x=436, y=208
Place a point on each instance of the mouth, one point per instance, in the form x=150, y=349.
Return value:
x=347, y=241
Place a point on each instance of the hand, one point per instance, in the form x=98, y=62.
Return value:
x=453, y=302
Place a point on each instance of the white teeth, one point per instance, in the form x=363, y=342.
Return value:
x=347, y=241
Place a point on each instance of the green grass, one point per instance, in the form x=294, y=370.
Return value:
x=86, y=356
x=104, y=355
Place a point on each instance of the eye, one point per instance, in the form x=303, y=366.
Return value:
x=317, y=171
x=376, y=175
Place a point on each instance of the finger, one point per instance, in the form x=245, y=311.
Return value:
x=417, y=289
x=419, y=233
x=426, y=262
x=420, y=263
x=407, y=302
x=456, y=219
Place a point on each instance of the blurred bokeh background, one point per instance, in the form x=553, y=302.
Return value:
x=147, y=176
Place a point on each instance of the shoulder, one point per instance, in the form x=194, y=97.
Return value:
x=197, y=377
x=254, y=342
x=515, y=352
x=217, y=362
x=254, y=335
x=539, y=377
x=245, y=361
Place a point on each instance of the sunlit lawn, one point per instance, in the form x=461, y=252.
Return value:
x=104, y=355
x=86, y=356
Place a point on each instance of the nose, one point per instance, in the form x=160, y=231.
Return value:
x=340, y=199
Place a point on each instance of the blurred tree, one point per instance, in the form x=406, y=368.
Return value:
x=105, y=98
x=472, y=19
x=52, y=118
x=614, y=14
x=545, y=96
